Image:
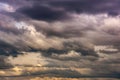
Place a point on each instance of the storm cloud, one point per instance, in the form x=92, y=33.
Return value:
x=62, y=33
x=56, y=9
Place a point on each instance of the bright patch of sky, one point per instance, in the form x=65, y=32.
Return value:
x=6, y=7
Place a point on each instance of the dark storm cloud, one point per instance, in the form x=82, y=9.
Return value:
x=7, y=49
x=60, y=9
x=64, y=32
x=46, y=13
x=57, y=9
x=49, y=52
x=89, y=6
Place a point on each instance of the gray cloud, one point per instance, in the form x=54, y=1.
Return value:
x=46, y=13
x=94, y=32
x=4, y=63
x=59, y=28
x=111, y=7
x=57, y=73
x=58, y=8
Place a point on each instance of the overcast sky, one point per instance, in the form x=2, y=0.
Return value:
x=55, y=32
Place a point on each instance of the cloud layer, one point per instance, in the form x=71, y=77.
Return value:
x=62, y=33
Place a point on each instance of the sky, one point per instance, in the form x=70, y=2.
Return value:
x=70, y=34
